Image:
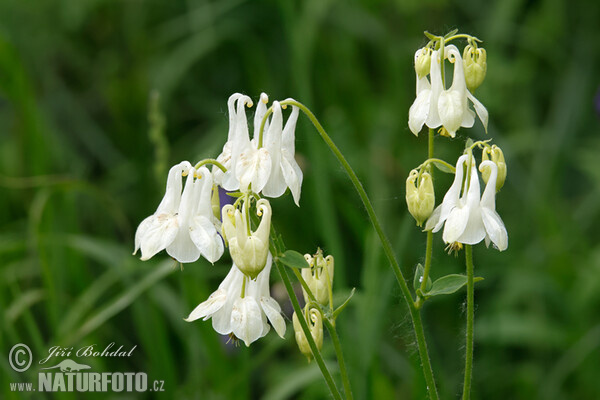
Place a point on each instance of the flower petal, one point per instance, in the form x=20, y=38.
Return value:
x=246, y=320
x=210, y=306
x=273, y=312
x=495, y=228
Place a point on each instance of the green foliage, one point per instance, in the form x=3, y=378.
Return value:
x=83, y=140
x=293, y=259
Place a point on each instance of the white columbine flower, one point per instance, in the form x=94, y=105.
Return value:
x=244, y=316
x=468, y=219
x=269, y=169
x=183, y=223
x=453, y=103
x=248, y=249
x=494, y=227
x=436, y=106
x=158, y=231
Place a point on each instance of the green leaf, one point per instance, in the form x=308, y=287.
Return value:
x=443, y=167
x=293, y=259
x=419, y=271
x=448, y=284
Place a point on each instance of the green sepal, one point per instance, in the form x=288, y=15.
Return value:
x=448, y=284
x=293, y=259
x=419, y=271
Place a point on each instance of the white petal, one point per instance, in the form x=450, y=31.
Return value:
x=292, y=175
x=435, y=74
x=253, y=168
x=160, y=232
x=474, y=231
x=276, y=185
x=207, y=308
x=204, y=235
x=273, y=312
x=183, y=248
x=451, y=107
x=452, y=195
x=246, y=320
x=495, y=228
x=481, y=111
x=433, y=219
x=455, y=224
x=419, y=110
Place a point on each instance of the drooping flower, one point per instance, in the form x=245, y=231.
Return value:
x=451, y=199
x=242, y=306
x=467, y=218
x=464, y=223
x=158, y=231
x=436, y=106
x=494, y=227
x=268, y=167
x=183, y=223
x=248, y=249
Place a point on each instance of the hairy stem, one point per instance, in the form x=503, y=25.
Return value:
x=470, y=317
x=340, y=357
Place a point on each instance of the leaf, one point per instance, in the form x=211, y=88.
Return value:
x=293, y=259
x=448, y=284
x=344, y=304
x=419, y=271
x=443, y=167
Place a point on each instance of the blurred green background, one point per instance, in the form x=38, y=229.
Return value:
x=83, y=160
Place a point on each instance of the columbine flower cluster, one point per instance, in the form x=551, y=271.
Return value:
x=437, y=106
x=185, y=225
x=466, y=215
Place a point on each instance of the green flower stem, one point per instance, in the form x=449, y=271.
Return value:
x=340, y=357
x=311, y=342
x=470, y=317
x=329, y=321
x=210, y=161
x=428, y=256
x=387, y=248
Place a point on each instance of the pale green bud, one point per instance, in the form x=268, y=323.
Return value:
x=474, y=60
x=249, y=250
x=315, y=325
x=215, y=202
x=319, y=277
x=423, y=62
x=495, y=154
x=420, y=198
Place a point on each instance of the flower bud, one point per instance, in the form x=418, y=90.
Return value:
x=319, y=277
x=420, y=199
x=498, y=158
x=475, y=64
x=423, y=62
x=248, y=249
x=315, y=325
